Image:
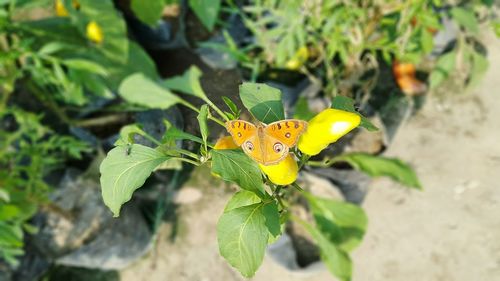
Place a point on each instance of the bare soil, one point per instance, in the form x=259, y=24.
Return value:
x=449, y=231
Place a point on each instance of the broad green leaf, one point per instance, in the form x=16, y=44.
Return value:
x=4, y=195
x=148, y=11
x=336, y=260
x=302, y=110
x=124, y=170
x=496, y=28
x=270, y=211
x=12, y=236
x=141, y=90
x=188, y=83
x=237, y=167
x=479, y=66
x=242, y=236
x=85, y=65
x=8, y=211
x=347, y=104
x=53, y=47
x=377, y=166
x=202, y=121
x=344, y=224
x=207, y=11
x=127, y=134
x=466, y=18
x=426, y=40
x=240, y=199
x=263, y=101
x=444, y=66
x=137, y=61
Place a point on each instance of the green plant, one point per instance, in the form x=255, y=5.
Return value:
x=338, y=44
x=255, y=215
x=28, y=152
x=151, y=11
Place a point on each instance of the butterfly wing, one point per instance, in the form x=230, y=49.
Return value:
x=286, y=131
x=273, y=150
x=241, y=130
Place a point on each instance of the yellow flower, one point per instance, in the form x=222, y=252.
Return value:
x=298, y=59
x=225, y=143
x=61, y=10
x=283, y=173
x=327, y=127
x=94, y=32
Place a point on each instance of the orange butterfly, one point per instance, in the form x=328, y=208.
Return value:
x=406, y=79
x=266, y=144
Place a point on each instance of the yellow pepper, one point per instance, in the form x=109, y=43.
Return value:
x=225, y=143
x=327, y=127
x=94, y=32
x=298, y=59
x=282, y=173
x=61, y=10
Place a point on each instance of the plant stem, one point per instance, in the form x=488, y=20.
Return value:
x=195, y=109
x=188, y=161
x=212, y=105
x=103, y=120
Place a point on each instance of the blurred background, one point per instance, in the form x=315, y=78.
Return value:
x=423, y=73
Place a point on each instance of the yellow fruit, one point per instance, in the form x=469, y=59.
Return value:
x=327, y=127
x=283, y=173
x=60, y=9
x=225, y=143
x=94, y=32
x=298, y=59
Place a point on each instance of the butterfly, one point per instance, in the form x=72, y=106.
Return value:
x=406, y=79
x=266, y=144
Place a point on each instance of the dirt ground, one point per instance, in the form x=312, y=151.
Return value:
x=450, y=231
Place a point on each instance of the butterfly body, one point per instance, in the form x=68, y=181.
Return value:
x=266, y=144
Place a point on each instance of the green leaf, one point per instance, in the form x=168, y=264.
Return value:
x=230, y=104
x=85, y=65
x=124, y=170
x=188, y=83
x=53, y=47
x=148, y=11
x=139, y=89
x=444, y=66
x=240, y=199
x=127, y=134
x=4, y=195
x=466, y=18
x=479, y=66
x=202, y=121
x=235, y=166
x=377, y=166
x=207, y=11
x=11, y=235
x=272, y=216
x=8, y=211
x=347, y=104
x=263, y=101
x=302, y=110
x=336, y=260
x=344, y=224
x=173, y=133
x=242, y=236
